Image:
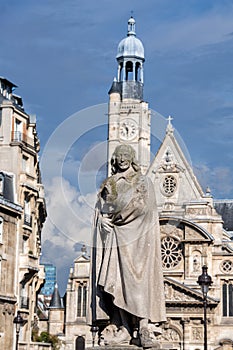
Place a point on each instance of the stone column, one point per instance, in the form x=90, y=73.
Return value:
x=184, y=322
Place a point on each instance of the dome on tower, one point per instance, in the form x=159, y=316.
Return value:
x=130, y=46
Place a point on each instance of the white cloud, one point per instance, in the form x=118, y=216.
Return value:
x=218, y=179
x=70, y=213
x=191, y=31
x=69, y=222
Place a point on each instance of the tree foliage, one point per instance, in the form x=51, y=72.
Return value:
x=45, y=337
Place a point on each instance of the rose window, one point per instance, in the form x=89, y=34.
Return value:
x=227, y=266
x=171, y=252
x=169, y=185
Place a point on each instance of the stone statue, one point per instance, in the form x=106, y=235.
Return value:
x=127, y=279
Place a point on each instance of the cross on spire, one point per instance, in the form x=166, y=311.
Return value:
x=170, y=119
x=169, y=124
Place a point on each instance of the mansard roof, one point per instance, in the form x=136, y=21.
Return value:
x=7, y=82
x=224, y=207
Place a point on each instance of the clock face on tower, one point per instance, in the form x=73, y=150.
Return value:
x=128, y=129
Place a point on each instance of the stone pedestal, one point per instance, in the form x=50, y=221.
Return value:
x=124, y=347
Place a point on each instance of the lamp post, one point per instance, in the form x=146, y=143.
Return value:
x=18, y=321
x=204, y=280
x=94, y=331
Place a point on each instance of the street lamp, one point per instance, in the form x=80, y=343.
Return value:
x=204, y=280
x=94, y=331
x=18, y=321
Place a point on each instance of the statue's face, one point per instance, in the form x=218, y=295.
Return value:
x=123, y=158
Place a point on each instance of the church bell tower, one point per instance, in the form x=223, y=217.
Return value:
x=128, y=113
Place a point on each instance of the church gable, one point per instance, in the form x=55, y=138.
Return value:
x=82, y=266
x=81, y=258
x=179, y=294
x=183, y=230
x=173, y=177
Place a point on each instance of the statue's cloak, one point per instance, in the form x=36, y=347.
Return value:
x=126, y=259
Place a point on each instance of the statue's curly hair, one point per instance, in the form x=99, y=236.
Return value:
x=131, y=151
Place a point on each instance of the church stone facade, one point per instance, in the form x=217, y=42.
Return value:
x=192, y=227
x=22, y=214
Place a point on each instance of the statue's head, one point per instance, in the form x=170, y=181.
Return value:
x=123, y=158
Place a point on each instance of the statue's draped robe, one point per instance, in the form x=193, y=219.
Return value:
x=126, y=259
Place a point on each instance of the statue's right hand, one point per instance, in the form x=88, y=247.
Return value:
x=106, y=224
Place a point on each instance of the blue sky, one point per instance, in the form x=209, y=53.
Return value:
x=61, y=54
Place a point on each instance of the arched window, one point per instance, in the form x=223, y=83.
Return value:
x=227, y=299
x=79, y=306
x=120, y=72
x=82, y=300
x=138, y=72
x=129, y=71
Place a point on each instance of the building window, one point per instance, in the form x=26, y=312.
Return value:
x=169, y=185
x=27, y=213
x=24, y=300
x=24, y=244
x=25, y=162
x=82, y=300
x=18, y=132
x=1, y=184
x=226, y=266
x=171, y=250
x=227, y=299
x=1, y=229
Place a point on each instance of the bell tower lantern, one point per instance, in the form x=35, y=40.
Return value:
x=129, y=116
x=130, y=58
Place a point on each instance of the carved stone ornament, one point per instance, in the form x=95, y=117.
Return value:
x=197, y=333
x=168, y=163
x=226, y=266
x=171, y=230
x=112, y=335
x=173, y=294
x=170, y=335
x=8, y=309
x=168, y=206
x=148, y=336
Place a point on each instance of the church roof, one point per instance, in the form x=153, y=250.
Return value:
x=172, y=159
x=224, y=207
x=130, y=46
x=115, y=88
x=56, y=302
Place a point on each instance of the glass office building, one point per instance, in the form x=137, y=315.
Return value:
x=50, y=280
